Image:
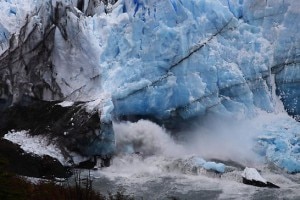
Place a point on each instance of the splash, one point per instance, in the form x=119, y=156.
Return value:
x=227, y=140
x=151, y=164
x=218, y=140
x=146, y=138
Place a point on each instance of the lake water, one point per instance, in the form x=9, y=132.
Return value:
x=152, y=181
x=165, y=168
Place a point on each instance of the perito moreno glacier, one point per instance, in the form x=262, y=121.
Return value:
x=174, y=62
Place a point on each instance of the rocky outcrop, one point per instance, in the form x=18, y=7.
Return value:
x=71, y=127
x=13, y=159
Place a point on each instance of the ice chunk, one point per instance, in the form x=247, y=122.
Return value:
x=218, y=167
x=279, y=141
x=253, y=175
x=65, y=104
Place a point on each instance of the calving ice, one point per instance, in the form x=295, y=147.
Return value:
x=192, y=67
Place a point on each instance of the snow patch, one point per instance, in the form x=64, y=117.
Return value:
x=40, y=146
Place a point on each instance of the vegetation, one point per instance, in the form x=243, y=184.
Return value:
x=13, y=187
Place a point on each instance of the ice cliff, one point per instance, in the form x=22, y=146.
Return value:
x=165, y=60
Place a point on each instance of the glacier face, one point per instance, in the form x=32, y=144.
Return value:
x=169, y=61
x=162, y=59
x=178, y=60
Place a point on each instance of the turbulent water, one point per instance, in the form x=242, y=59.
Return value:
x=159, y=186
x=150, y=164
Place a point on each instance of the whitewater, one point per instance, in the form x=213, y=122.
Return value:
x=150, y=164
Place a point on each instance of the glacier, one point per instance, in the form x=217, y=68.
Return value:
x=170, y=61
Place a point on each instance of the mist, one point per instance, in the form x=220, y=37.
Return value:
x=226, y=140
x=222, y=140
x=147, y=138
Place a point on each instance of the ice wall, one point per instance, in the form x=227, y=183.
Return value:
x=166, y=60
x=278, y=22
x=171, y=59
x=181, y=60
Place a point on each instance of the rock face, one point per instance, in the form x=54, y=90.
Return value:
x=70, y=126
x=15, y=160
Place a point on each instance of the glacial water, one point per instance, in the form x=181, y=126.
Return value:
x=150, y=164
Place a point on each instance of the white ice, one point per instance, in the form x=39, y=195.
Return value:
x=253, y=175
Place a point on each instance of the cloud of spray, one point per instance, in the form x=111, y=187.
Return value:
x=145, y=137
x=216, y=140
x=226, y=140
